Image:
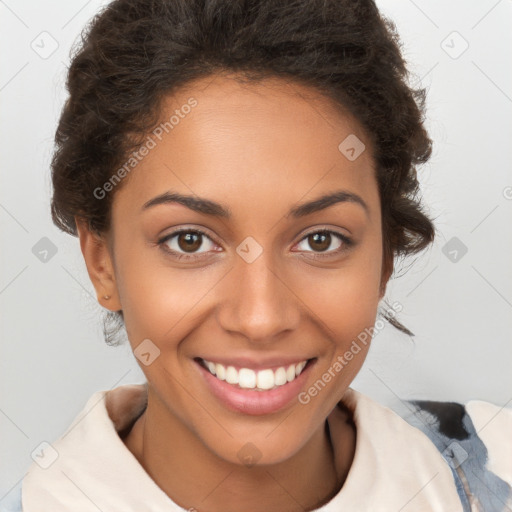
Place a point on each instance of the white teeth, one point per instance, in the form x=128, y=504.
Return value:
x=260, y=380
x=220, y=371
x=265, y=379
x=280, y=377
x=231, y=375
x=299, y=367
x=246, y=378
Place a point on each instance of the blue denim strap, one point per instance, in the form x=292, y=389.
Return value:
x=449, y=427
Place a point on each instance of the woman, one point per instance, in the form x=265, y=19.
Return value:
x=241, y=176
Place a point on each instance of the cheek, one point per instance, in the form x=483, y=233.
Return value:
x=345, y=299
x=347, y=306
x=346, y=303
x=159, y=302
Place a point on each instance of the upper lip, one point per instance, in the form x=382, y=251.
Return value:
x=257, y=364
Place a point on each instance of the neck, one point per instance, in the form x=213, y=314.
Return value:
x=196, y=478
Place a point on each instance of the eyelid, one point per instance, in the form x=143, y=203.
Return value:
x=162, y=241
x=323, y=229
x=347, y=242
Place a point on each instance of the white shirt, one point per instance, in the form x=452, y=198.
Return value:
x=396, y=466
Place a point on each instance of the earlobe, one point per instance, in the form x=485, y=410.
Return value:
x=99, y=265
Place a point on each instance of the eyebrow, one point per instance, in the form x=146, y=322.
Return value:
x=212, y=208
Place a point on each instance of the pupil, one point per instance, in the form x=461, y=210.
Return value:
x=191, y=241
x=322, y=241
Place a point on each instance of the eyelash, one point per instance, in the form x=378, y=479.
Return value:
x=347, y=243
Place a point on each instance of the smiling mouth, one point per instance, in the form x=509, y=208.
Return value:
x=258, y=380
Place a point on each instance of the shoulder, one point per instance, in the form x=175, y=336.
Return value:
x=475, y=440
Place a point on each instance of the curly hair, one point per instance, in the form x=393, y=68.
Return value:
x=136, y=52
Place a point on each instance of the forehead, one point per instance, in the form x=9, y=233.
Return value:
x=239, y=142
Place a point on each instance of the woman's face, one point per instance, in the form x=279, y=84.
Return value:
x=263, y=288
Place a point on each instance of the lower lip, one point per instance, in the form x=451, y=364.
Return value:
x=250, y=401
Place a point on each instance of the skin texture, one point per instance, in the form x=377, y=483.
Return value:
x=259, y=149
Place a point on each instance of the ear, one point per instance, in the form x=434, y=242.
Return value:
x=387, y=270
x=99, y=262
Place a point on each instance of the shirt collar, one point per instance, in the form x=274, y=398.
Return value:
x=395, y=466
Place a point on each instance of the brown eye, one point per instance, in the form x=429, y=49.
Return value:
x=319, y=241
x=324, y=241
x=189, y=242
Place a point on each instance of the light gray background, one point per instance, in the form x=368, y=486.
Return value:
x=53, y=356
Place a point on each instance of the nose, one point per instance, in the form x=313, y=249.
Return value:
x=259, y=302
